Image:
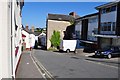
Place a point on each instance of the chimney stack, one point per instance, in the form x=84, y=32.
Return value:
x=27, y=28
x=32, y=29
x=72, y=14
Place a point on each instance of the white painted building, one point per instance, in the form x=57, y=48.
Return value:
x=42, y=38
x=10, y=37
x=32, y=40
x=29, y=39
x=109, y=24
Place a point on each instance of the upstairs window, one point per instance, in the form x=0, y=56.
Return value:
x=108, y=9
x=113, y=8
x=102, y=27
x=103, y=11
x=108, y=26
x=105, y=27
x=114, y=26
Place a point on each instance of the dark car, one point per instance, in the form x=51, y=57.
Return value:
x=108, y=52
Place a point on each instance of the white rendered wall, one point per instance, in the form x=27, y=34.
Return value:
x=109, y=17
x=32, y=40
x=18, y=37
x=27, y=38
x=5, y=40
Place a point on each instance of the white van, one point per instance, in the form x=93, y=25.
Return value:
x=68, y=45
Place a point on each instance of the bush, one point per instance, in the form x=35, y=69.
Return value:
x=55, y=39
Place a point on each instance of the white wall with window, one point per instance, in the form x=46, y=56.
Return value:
x=108, y=20
x=10, y=37
x=92, y=28
x=5, y=40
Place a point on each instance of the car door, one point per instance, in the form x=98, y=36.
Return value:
x=116, y=50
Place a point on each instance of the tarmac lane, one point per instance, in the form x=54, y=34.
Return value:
x=71, y=66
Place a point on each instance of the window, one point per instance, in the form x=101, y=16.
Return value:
x=114, y=26
x=103, y=10
x=92, y=20
x=105, y=27
x=107, y=9
x=102, y=27
x=113, y=8
x=78, y=34
x=108, y=26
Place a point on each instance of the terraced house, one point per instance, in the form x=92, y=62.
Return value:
x=10, y=36
x=109, y=24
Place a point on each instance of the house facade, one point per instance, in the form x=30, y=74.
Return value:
x=109, y=25
x=10, y=33
x=59, y=23
x=42, y=40
x=29, y=39
x=85, y=28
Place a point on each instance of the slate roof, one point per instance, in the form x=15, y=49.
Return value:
x=60, y=17
x=37, y=33
x=30, y=32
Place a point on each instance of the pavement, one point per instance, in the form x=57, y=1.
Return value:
x=27, y=67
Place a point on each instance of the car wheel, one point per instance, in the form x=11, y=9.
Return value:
x=67, y=50
x=109, y=56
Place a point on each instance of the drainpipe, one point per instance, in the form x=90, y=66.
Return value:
x=11, y=44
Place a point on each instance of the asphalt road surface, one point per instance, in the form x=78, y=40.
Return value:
x=61, y=65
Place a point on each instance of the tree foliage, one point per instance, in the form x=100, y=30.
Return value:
x=55, y=39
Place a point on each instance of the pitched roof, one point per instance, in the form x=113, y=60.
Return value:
x=37, y=33
x=30, y=32
x=60, y=17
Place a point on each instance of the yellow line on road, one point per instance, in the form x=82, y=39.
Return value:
x=37, y=66
x=45, y=73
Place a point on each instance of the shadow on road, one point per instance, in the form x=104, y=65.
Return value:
x=105, y=61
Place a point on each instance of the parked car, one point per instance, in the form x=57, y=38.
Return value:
x=68, y=45
x=108, y=52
